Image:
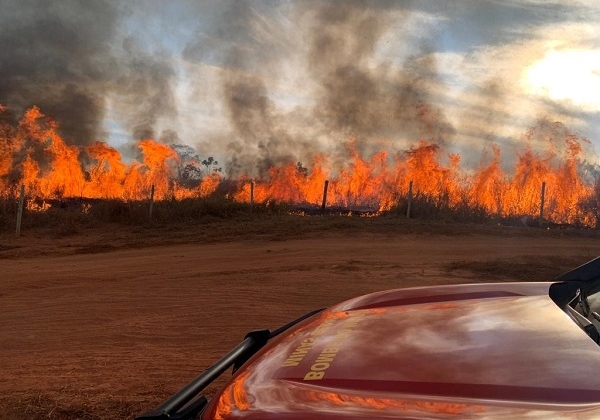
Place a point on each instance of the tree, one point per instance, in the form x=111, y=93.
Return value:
x=189, y=166
x=211, y=163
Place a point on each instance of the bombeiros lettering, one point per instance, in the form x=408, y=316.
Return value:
x=298, y=354
x=327, y=355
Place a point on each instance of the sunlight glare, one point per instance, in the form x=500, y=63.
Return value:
x=572, y=75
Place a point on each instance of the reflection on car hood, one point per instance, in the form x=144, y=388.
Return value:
x=479, y=351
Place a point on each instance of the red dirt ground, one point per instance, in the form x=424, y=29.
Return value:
x=109, y=335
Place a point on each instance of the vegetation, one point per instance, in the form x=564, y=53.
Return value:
x=113, y=224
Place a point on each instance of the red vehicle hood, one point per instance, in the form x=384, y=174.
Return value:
x=479, y=351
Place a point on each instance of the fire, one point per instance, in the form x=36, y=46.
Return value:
x=35, y=155
x=377, y=184
x=520, y=194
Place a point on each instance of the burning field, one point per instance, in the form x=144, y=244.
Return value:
x=384, y=103
x=555, y=183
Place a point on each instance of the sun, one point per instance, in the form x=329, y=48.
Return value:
x=570, y=75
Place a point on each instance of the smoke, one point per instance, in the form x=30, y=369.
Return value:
x=144, y=89
x=364, y=97
x=354, y=94
x=69, y=57
x=295, y=78
x=247, y=43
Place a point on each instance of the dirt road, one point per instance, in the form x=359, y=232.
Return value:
x=109, y=335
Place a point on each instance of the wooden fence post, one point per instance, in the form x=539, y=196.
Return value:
x=20, y=210
x=324, y=195
x=151, y=202
x=542, y=201
x=251, y=196
x=409, y=200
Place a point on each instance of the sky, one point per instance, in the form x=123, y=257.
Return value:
x=257, y=83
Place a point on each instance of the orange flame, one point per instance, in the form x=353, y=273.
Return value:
x=34, y=154
x=374, y=183
x=49, y=168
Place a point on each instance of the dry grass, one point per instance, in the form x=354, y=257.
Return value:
x=64, y=232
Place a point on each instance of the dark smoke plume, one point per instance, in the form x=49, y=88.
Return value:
x=357, y=96
x=249, y=54
x=366, y=99
x=264, y=141
x=68, y=57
